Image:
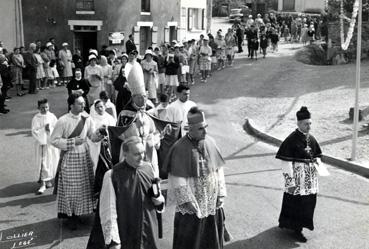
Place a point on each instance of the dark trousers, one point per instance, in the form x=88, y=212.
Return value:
x=32, y=82
x=2, y=100
x=240, y=50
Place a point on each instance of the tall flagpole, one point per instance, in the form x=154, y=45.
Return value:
x=357, y=79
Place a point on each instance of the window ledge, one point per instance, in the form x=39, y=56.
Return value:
x=85, y=12
x=196, y=30
x=143, y=13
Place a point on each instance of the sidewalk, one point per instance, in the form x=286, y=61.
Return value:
x=328, y=92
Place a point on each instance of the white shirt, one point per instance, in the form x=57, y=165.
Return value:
x=178, y=110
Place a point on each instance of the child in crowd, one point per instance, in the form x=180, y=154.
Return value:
x=263, y=43
x=220, y=57
x=53, y=75
x=171, y=77
x=286, y=32
x=47, y=156
x=274, y=39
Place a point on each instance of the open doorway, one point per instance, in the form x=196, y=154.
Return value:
x=84, y=41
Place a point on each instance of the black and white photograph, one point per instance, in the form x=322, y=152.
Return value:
x=184, y=124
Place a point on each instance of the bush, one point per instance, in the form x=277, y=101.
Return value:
x=312, y=55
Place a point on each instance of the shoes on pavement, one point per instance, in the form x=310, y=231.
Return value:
x=41, y=190
x=8, y=97
x=49, y=184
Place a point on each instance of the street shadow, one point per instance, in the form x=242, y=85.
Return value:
x=345, y=121
x=344, y=200
x=19, y=189
x=44, y=234
x=253, y=186
x=26, y=133
x=282, y=116
x=240, y=150
x=252, y=172
x=7, y=221
x=281, y=189
x=271, y=238
x=249, y=156
x=361, y=133
x=25, y=202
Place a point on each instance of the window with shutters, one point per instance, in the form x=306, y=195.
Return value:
x=85, y=5
x=196, y=19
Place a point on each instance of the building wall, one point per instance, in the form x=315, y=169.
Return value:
x=125, y=15
x=49, y=18
x=10, y=24
x=303, y=5
x=184, y=32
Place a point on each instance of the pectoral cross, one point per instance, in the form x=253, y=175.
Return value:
x=202, y=164
x=202, y=161
x=308, y=149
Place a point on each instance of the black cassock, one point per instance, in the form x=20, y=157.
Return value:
x=298, y=210
x=137, y=220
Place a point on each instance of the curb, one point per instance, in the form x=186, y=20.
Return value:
x=352, y=167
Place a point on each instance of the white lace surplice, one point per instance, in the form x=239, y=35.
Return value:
x=201, y=191
x=302, y=176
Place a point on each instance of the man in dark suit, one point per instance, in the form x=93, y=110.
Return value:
x=130, y=44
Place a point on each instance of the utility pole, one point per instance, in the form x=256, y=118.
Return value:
x=209, y=14
x=357, y=79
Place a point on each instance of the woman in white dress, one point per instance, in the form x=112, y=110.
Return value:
x=107, y=76
x=150, y=70
x=94, y=75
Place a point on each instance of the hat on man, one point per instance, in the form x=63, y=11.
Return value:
x=125, y=55
x=136, y=81
x=303, y=113
x=196, y=117
x=48, y=44
x=64, y=44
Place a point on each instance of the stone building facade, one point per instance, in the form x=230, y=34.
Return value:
x=88, y=24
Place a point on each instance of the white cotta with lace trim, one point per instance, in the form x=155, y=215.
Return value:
x=346, y=42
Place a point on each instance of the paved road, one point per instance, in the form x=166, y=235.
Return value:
x=252, y=175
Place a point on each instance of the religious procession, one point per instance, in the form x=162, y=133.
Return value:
x=143, y=144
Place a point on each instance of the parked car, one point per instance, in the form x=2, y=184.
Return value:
x=235, y=15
